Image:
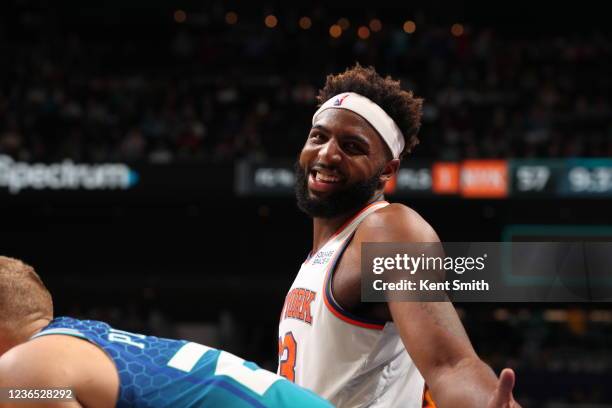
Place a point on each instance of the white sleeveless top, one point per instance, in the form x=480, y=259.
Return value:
x=346, y=359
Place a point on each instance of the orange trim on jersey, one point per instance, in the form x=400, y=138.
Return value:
x=353, y=218
x=342, y=228
x=335, y=311
x=428, y=401
x=347, y=319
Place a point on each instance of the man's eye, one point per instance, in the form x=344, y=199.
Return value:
x=353, y=148
x=316, y=137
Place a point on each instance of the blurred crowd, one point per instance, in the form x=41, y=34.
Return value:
x=199, y=86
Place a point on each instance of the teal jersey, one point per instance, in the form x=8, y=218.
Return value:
x=156, y=372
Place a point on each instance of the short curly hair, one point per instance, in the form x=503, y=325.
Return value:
x=401, y=105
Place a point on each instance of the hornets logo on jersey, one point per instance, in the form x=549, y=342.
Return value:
x=156, y=372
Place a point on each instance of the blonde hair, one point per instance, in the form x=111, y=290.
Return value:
x=23, y=295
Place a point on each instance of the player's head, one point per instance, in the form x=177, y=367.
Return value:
x=25, y=302
x=364, y=126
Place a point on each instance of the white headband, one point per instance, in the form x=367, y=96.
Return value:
x=374, y=114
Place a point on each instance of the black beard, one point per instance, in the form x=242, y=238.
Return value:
x=345, y=201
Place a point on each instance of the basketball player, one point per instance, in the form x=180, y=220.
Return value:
x=105, y=367
x=366, y=354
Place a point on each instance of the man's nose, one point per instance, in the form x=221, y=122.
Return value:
x=330, y=152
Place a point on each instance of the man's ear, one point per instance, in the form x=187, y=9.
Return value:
x=389, y=170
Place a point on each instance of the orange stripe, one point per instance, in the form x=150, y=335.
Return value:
x=353, y=218
x=339, y=230
x=331, y=308
x=348, y=319
x=428, y=402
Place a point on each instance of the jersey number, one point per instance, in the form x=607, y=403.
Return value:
x=287, y=349
x=258, y=380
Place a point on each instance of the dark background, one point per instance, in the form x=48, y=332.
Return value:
x=117, y=82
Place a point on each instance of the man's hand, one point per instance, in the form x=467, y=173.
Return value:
x=502, y=397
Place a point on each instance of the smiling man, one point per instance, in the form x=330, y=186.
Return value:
x=366, y=354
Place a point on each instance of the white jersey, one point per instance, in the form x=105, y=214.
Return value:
x=346, y=359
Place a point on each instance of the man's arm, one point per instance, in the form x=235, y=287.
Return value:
x=59, y=361
x=432, y=332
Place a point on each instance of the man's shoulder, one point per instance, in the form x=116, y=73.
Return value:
x=61, y=361
x=395, y=222
x=42, y=358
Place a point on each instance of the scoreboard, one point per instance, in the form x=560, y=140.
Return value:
x=535, y=177
x=587, y=178
x=569, y=178
x=489, y=179
x=563, y=178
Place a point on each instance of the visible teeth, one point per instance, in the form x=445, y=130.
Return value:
x=326, y=178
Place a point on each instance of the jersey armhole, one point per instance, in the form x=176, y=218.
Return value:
x=334, y=307
x=77, y=334
x=61, y=331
